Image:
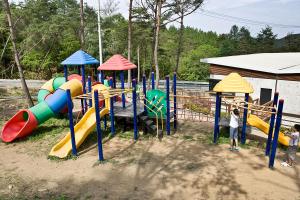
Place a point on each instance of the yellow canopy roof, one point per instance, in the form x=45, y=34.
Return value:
x=234, y=83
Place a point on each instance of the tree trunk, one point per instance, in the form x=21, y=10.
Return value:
x=180, y=40
x=17, y=59
x=159, y=5
x=81, y=25
x=129, y=40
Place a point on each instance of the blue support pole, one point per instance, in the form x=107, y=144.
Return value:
x=243, y=138
x=71, y=123
x=276, y=134
x=84, y=88
x=135, y=122
x=275, y=99
x=90, y=90
x=270, y=133
x=112, y=117
x=217, y=117
x=168, y=105
x=66, y=72
x=78, y=70
x=114, y=79
x=122, y=87
x=144, y=92
x=102, y=76
x=175, y=100
x=98, y=124
x=152, y=80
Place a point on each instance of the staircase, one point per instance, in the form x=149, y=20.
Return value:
x=149, y=126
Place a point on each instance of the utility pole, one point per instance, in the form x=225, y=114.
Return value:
x=99, y=34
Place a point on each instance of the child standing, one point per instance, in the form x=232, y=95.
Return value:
x=234, y=126
x=293, y=146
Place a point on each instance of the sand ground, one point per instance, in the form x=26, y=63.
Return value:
x=182, y=166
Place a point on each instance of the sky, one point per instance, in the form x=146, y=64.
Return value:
x=285, y=12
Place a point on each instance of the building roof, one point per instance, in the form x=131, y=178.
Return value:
x=234, y=83
x=117, y=62
x=275, y=63
x=80, y=58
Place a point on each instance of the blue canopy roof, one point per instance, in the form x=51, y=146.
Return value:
x=80, y=58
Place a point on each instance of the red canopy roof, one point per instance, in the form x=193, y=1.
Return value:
x=117, y=62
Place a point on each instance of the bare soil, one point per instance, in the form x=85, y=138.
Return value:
x=184, y=165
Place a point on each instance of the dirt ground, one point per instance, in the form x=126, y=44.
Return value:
x=182, y=166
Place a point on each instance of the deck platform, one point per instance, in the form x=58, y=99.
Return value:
x=127, y=112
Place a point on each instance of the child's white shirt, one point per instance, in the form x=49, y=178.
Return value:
x=234, y=121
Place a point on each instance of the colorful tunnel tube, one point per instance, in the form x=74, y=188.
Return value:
x=52, y=100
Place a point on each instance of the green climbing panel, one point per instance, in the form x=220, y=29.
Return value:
x=157, y=102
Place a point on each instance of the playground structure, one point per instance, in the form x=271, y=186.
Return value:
x=233, y=83
x=151, y=108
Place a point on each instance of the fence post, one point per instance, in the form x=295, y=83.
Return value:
x=98, y=125
x=175, y=100
x=135, y=128
x=217, y=117
x=168, y=104
x=270, y=133
x=276, y=133
x=71, y=123
x=145, y=92
x=112, y=118
x=152, y=80
x=243, y=139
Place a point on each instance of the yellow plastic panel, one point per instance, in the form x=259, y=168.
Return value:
x=234, y=83
x=48, y=86
x=75, y=86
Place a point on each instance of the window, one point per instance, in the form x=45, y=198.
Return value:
x=265, y=95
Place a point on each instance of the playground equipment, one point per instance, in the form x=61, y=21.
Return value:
x=234, y=83
x=52, y=100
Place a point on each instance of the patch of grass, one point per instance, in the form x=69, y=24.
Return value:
x=188, y=137
x=126, y=135
x=52, y=127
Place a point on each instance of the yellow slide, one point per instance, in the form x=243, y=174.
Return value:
x=255, y=121
x=82, y=129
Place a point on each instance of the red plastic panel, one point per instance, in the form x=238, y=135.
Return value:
x=20, y=125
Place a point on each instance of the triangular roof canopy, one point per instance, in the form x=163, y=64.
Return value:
x=117, y=62
x=80, y=58
x=234, y=83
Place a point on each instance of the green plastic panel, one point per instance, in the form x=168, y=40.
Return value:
x=156, y=100
x=42, y=112
x=58, y=82
x=42, y=95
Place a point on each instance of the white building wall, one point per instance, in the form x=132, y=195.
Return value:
x=288, y=90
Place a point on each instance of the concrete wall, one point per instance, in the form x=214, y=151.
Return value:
x=288, y=90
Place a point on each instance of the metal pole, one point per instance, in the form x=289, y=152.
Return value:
x=102, y=76
x=98, y=123
x=90, y=90
x=112, y=118
x=99, y=34
x=135, y=128
x=243, y=139
x=145, y=92
x=122, y=87
x=270, y=133
x=276, y=134
x=152, y=80
x=217, y=111
x=71, y=123
x=175, y=99
x=66, y=72
x=275, y=99
x=83, y=86
x=168, y=104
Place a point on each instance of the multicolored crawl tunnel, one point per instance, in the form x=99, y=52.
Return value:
x=52, y=100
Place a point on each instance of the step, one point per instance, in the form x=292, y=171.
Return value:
x=149, y=122
x=153, y=127
x=144, y=118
